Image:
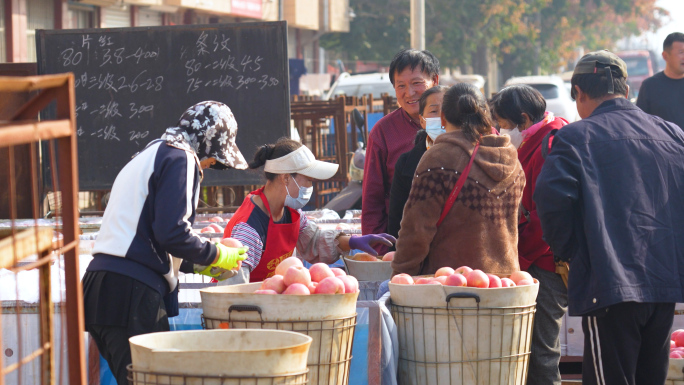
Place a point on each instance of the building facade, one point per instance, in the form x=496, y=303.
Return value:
x=307, y=20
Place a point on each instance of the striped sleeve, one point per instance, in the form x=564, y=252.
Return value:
x=250, y=238
x=303, y=222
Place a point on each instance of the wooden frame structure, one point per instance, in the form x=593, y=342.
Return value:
x=314, y=119
x=24, y=128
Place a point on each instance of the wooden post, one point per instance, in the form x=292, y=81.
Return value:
x=46, y=332
x=68, y=182
x=61, y=14
x=15, y=31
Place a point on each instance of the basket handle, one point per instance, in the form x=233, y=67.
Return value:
x=241, y=308
x=463, y=295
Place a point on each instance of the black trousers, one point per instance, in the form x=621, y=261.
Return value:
x=118, y=308
x=627, y=343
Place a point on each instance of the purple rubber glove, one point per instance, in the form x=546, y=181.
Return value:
x=366, y=242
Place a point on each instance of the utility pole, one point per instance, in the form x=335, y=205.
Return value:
x=418, y=24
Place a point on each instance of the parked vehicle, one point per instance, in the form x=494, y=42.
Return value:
x=554, y=91
x=641, y=64
x=358, y=85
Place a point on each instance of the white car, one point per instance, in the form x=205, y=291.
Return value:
x=554, y=91
x=358, y=85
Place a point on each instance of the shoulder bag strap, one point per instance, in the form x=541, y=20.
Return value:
x=457, y=188
x=547, y=142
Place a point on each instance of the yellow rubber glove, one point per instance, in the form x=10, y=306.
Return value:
x=229, y=256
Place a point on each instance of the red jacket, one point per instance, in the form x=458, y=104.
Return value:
x=532, y=250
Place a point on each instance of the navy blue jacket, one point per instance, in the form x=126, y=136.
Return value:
x=610, y=199
x=149, y=216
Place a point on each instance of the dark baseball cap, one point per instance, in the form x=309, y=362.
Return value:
x=602, y=61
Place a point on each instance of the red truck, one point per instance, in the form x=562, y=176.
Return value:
x=641, y=64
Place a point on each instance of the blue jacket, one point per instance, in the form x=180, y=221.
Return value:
x=611, y=201
x=149, y=216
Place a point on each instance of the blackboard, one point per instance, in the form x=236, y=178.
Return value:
x=133, y=83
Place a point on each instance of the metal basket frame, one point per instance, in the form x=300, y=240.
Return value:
x=402, y=314
x=335, y=367
x=146, y=377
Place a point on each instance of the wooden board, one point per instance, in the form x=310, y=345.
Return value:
x=26, y=243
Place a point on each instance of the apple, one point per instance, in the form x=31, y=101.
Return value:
x=351, y=284
x=389, y=256
x=216, y=219
x=274, y=283
x=679, y=340
x=507, y=282
x=297, y=289
x=444, y=271
x=231, y=242
x=434, y=282
x=312, y=287
x=456, y=280
x=364, y=257
x=320, y=271
x=402, y=279
x=265, y=292
x=525, y=282
x=441, y=279
x=216, y=228
x=477, y=278
x=517, y=276
x=330, y=285
x=465, y=270
x=423, y=281
x=208, y=229
x=338, y=272
x=672, y=345
x=286, y=264
x=297, y=274
x=675, y=333
x=675, y=355
x=494, y=281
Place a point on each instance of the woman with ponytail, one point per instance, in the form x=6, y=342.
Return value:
x=463, y=205
x=270, y=221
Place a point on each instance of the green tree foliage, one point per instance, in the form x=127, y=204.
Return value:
x=511, y=29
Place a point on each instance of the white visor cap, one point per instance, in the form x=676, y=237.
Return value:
x=301, y=161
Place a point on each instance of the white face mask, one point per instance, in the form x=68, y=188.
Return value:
x=434, y=127
x=515, y=134
x=301, y=200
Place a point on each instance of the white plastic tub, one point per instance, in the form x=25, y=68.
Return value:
x=232, y=353
x=329, y=319
x=463, y=335
x=369, y=271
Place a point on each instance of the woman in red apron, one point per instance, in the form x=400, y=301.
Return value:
x=270, y=221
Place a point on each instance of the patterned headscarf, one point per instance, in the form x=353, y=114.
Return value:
x=208, y=129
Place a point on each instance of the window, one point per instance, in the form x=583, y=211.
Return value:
x=82, y=16
x=636, y=66
x=39, y=15
x=548, y=91
x=2, y=35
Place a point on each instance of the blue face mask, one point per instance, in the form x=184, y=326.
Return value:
x=434, y=128
x=301, y=200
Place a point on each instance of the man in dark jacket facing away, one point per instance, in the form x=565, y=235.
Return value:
x=610, y=202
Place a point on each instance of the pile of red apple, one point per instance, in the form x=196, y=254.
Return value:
x=212, y=228
x=365, y=257
x=677, y=344
x=465, y=276
x=291, y=277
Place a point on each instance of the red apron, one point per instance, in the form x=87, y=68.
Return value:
x=281, y=238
